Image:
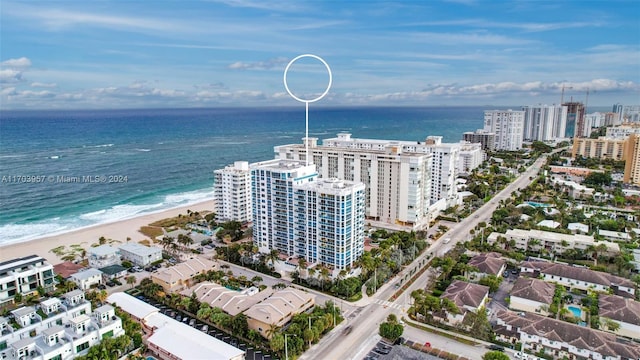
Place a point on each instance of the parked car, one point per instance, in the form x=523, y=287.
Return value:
x=496, y=347
x=520, y=355
x=382, y=351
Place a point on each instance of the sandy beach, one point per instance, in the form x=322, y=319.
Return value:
x=119, y=230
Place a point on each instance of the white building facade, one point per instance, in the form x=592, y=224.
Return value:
x=139, y=254
x=65, y=333
x=471, y=157
x=321, y=220
x=103, y=255
x=544, y=122
x=508, y=127
x=397, y=174
x=232, y=191
x=24, y=276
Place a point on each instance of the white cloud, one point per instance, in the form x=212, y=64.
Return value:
x=43, y=85
x=8, y=76
x=261, y=65
x=20, y=63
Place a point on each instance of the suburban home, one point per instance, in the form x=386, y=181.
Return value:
x=487, y=264
x=103, y=255
x=85, y=279
x=467, y=297
x=113, y=272
x=624, y=311
x=574, y=277
x=50, y=306
x=531, y=295
x=560, y=339
x=139, y=254
x=180, y=276
x=25, y=315
x=67, y=268
x=277, y=310
x=230, y=301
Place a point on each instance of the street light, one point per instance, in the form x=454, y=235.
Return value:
x=311, y=317
x=286, y=352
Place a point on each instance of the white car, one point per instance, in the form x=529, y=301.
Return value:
x=520, y=355
x=446, y=240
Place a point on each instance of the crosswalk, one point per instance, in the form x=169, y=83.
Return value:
x=387, y=304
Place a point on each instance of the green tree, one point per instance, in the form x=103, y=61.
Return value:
x=277, y=342
x=391, y=330
x=492, y=281
x=495, y=355
x=131, y=280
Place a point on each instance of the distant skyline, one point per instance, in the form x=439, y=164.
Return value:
x=139, y=54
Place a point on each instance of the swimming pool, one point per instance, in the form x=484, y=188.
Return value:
x=537, y=204
x=577, y=312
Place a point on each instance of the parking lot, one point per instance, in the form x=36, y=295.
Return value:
x=385, y=351
x=178, y=315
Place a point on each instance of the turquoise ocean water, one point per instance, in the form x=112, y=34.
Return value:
x=64, y=170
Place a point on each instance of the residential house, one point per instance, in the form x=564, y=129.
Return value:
x=85, y=279
x=67, y=268
x=487, y=264
x=467, y=297
x=580, y=278
x=25, y=315
x=277, y=310
x=560, y=339
x=180, y=276
x=139, y=254
x=577, y=228
x=531, y=295
x=103, y=255
x=614, y=235
x=50, y=306
x=113, y=272
x=624, y=311
x=24, y=276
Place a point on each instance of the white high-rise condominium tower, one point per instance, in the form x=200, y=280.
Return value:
x=328, y=221
x=321, y=220
x=544, y=122
x=508, y=127
x=232, y=191
x=396, y=174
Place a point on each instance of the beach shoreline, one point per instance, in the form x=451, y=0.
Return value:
x=117, y=230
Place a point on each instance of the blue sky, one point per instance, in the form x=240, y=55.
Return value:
x=137, y=54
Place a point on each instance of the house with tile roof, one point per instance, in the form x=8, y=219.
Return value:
x=467, y=297
x=278, y=309
x=487, y=264
x=230, y=301
x=531, y=295
x=581, y=278
x=181, y=276
x=624, y=311
x=561, y=340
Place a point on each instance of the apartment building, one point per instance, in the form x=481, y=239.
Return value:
x=601, y=148
x=232, y=191
x=559, y=339
x=139, y=254
x=632, y=157
x=24, y=276
x=278, y=309
x=68, y=330
x=181, y=275
x=544, y=122
x=507, y=125
x=622, y=131
x=103, y=255
x=399, y=176
x=574, y=277
x=321, y=220
x=556, y=243
x=486, y=138
x=471, y=157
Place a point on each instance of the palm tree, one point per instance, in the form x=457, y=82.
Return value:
x=324, y=275
x=273, y=256
x=302, y=264
x=131, y=280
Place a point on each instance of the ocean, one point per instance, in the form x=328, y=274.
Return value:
x=64, y=170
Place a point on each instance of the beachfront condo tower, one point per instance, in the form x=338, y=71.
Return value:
x=401, y=180
x=302, y=216
x=232, y=192
x=508, y=127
